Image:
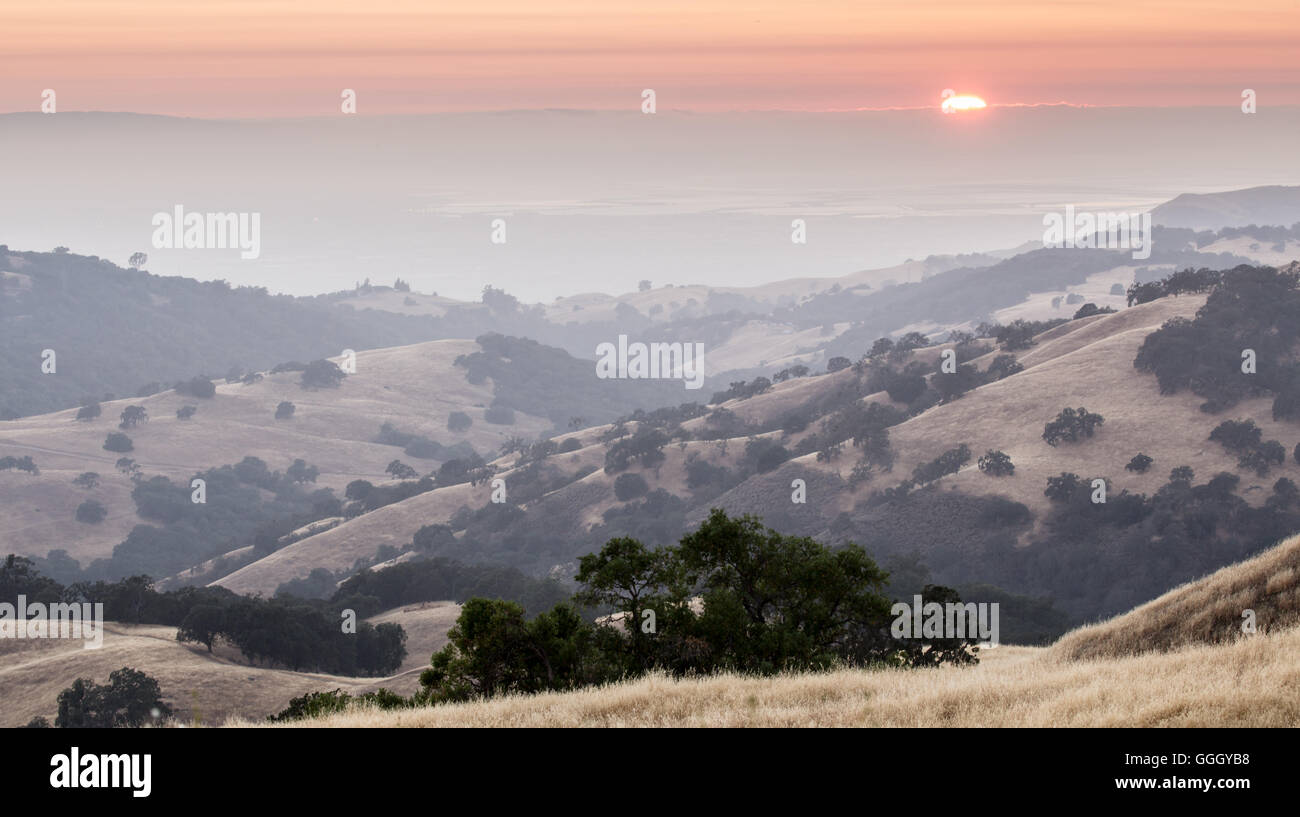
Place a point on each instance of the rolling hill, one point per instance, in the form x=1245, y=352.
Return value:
x=1140, y=674
x=202, y=688
x=415, y=388
x=1272, y=204
x=1085, y=362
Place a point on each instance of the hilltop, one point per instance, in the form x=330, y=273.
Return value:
x=1271, y=204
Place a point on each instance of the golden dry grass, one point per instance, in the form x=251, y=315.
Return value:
x=1089, y=363
x=1206, y=611
x=1086, y=362
x=1254, y=682
x=202, y=688
x=414, y=387
x=1179, y=660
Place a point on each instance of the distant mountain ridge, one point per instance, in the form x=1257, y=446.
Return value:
x=1273, y=204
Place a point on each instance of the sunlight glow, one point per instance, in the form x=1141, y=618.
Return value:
x=962, y=103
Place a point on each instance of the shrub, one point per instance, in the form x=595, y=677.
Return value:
x=23, y=463
x=910, y=341
x=904, y=387
x=570, y=445
x=87, y=480
x=1089, y=309
x=423, y=449
x=198, y=386
x=133, y=416
x=1017, y=335
x=1070, y=425
x=1261, y=459
x=186, y=412
x=128, y=700
x=400, y=470
x=1139, y=464
x=1003, y=366
x=630, y=486
x=645, y=447
x=952, y=385
x=459, y=421
x=89, y=411
x=1237, y=436
x=91, y=512
x=313, y=705
x=740, y=390
x=321, y=374
x=285, y=410
x=949, y=462
x=763, y=454
x=1061, y=488
x=300, y=472
x=794, y=422
x=118, y=442
x=358, y=489
x=996, y=464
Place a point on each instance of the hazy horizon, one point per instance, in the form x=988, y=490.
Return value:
x=596, y=201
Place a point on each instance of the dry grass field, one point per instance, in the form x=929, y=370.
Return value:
x=1250, y=683
x=1082, y=363
x=1089, y=363
x=1171, y=662
x=1164, y=664
x=1207, y=611
x=413, y=387
x=202, y=688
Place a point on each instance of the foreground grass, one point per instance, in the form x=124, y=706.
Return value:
x=1206, y=611
x=1254, y=681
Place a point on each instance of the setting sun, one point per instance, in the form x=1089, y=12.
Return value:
x=964, y=102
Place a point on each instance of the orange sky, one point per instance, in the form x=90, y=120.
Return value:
x=284, y=58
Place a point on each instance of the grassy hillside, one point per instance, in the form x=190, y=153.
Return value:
x=202, y=688
x=415, y=388
x=1012, y=686
x=115, y=330
x=1086, y=362
x=1206, y=611
x=1179, y=660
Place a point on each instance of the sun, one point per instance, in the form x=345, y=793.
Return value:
x=953, y=102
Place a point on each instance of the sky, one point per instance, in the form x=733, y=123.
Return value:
x=290, y=58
